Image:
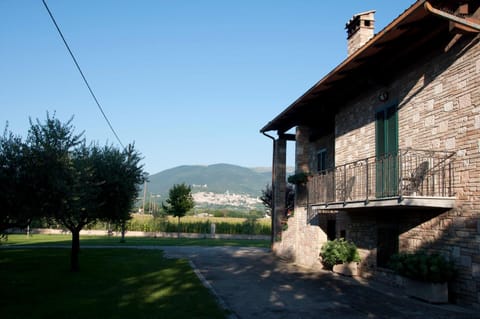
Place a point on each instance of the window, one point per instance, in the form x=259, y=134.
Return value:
x=322, y=160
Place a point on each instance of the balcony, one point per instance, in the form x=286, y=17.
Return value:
x=411, y=178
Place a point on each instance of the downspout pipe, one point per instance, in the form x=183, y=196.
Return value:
x=474, y=26
x=272, y=236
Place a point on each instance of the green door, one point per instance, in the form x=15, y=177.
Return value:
x=387, y=243
x=387, y=151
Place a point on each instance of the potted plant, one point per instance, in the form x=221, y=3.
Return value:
x=426, y=275
x=300, y=178
x=341, y=256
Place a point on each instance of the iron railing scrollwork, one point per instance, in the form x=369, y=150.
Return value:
x=410, y=172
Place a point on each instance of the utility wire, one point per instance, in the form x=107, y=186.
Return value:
x=81, y=73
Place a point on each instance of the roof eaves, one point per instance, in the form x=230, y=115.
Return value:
x=357, y=54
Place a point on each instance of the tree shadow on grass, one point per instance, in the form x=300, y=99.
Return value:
x=111, y=284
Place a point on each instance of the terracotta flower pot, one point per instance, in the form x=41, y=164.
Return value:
x=347, y=269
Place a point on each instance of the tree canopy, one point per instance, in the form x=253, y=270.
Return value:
x=17, y=199
x=179, y=200
x=69, y=181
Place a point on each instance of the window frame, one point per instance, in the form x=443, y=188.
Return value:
x=321, y=160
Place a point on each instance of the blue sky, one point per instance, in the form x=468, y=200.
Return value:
x=190, y=82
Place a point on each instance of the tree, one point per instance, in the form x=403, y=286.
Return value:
x=267, y=198
x=121, y=174
x=55, y=174
x=179, y=201
x=15, y=200
x=79, y=183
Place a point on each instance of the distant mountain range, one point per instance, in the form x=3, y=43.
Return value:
x=217, y=178
x=217, y=186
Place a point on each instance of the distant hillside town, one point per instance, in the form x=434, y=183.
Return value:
x=226, y=199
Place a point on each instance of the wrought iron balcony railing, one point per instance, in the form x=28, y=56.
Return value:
x=415, y=173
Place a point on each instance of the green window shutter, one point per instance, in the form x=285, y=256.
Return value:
x=386, y=141
x=380, y=134
x=391, y=130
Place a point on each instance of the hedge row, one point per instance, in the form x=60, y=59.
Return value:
x=248, y=227
x=233, y=226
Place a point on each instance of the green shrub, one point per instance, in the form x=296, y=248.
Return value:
x=338, y=251
x=299, y=178
x=248, y=227
x=235, y=213
x=423, y=267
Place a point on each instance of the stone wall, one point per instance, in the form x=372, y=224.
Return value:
x=438, y=109
x=91, y=232
x=326, y=143
x=301, y=241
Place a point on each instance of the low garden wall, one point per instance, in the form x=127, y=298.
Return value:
x=86, y=232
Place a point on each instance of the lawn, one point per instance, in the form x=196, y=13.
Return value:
x=38, y=239
x=112, y=283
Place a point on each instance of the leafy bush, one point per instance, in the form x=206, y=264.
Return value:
x=423, y=267
x=299, y=178
x=338, y=251
x=170, y=226
x=247, y=227
x=146, y=223
x=236, y=213
x=234, y=226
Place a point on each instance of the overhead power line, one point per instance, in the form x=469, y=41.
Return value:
x=81, y=73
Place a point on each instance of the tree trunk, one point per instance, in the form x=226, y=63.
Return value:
x=123, y=233
x=74, y=254
x=178, y=227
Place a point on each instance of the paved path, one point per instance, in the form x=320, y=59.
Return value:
x=255, y=284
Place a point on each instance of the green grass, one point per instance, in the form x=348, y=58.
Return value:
x=36, y=283
x=37, y=239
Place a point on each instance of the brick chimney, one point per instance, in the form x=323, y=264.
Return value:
x=360, y=29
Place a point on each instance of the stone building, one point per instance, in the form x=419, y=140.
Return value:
x=390, y=140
